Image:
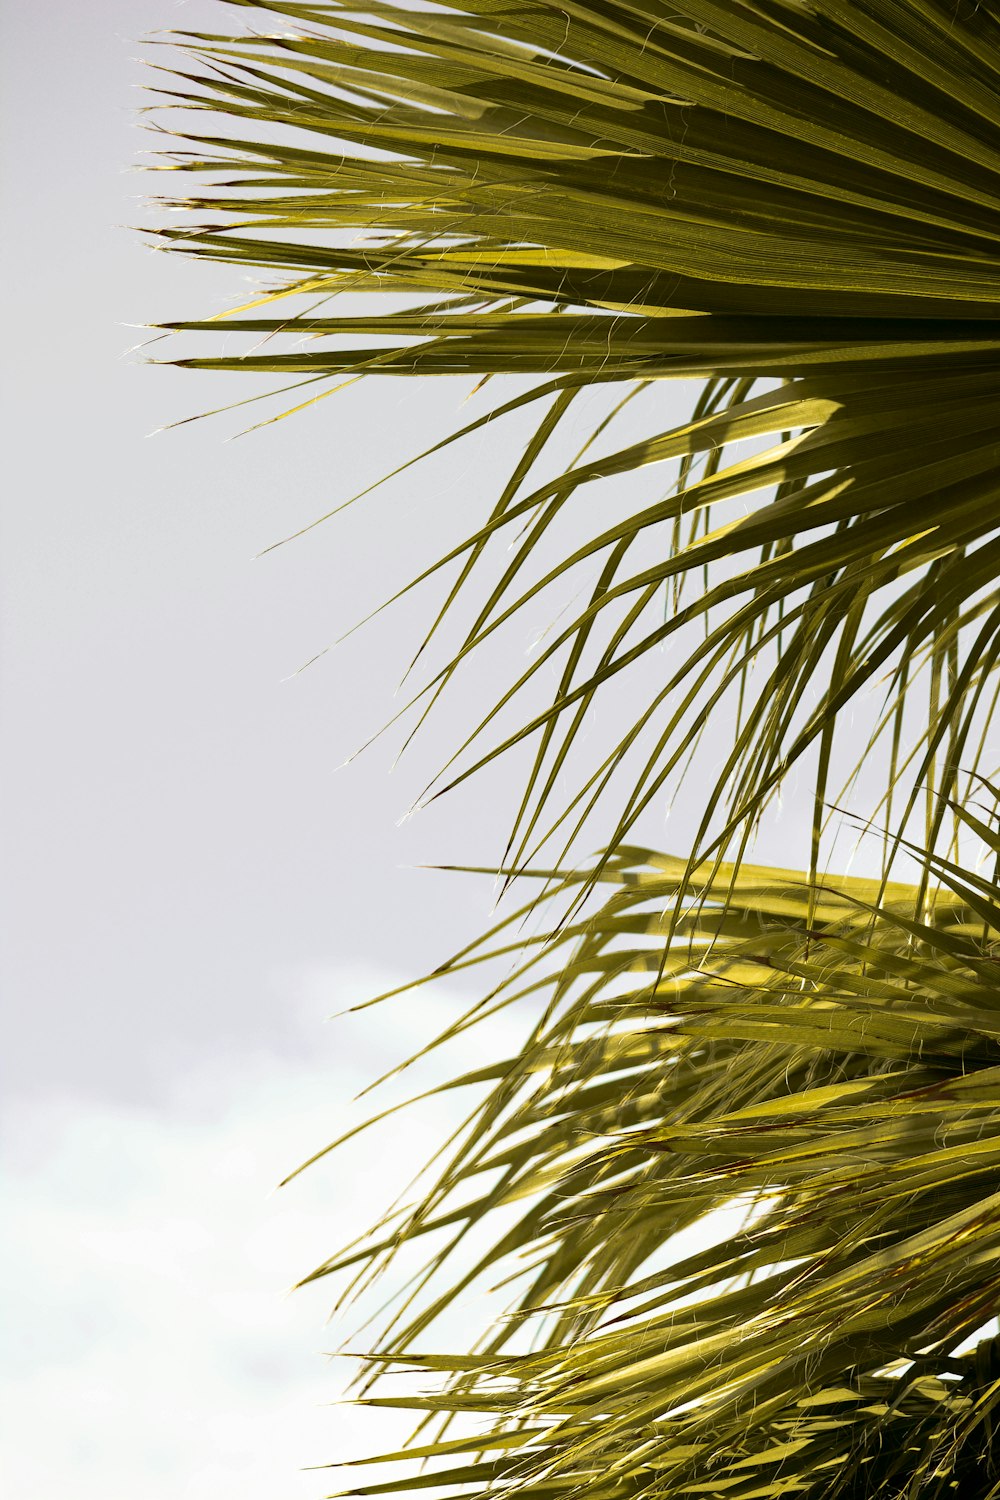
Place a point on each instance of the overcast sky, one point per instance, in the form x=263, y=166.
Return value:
x=191, y=886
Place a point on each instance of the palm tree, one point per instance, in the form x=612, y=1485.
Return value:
x=795, y=203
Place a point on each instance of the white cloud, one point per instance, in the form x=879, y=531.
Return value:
x=152, y=1352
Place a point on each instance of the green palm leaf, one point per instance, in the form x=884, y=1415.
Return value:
x=810, y=1082
x=797, y=200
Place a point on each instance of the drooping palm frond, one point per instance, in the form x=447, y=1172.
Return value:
x=794, y=202
x=808, y=1083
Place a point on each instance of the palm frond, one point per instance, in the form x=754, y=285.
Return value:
x=806, y=1081
x=799, y=200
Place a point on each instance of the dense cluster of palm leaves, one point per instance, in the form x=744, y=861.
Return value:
x=797, y=204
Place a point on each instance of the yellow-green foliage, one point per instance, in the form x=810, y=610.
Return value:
x=797, y=203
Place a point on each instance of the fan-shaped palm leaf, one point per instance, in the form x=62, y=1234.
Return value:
x=796, y=200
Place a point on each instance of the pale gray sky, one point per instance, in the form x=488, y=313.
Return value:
x=189, y=887
x=181, y=835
